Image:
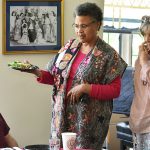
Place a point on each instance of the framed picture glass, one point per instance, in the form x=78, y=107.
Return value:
x=32, y=26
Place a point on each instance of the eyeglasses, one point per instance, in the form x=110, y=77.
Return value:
x=82, y=26
x=146, y=19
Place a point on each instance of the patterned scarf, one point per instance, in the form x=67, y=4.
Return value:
x=89, y=118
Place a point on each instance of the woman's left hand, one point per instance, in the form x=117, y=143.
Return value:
x=75, y=93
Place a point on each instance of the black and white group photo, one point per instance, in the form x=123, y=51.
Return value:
x=33, y=25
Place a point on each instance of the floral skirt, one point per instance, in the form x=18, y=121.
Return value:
x=141, y=141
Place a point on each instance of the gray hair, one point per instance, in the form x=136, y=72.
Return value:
x=89, y=9
x=145, y=25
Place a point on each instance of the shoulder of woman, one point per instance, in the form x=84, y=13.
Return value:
x=66, y=46
x=103, y=46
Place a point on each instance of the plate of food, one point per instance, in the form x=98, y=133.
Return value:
x=18, y=65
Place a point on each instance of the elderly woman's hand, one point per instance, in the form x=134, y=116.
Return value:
x=144, y=62
x=76, y=92
x=36, y=71
x=142, y=47
x=147, y=47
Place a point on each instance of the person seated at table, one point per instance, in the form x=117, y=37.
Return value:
x=6, y=140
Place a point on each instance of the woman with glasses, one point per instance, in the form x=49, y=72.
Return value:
x=140, y=109
x=85, y=75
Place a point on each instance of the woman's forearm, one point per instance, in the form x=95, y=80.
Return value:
x=37, y=73
x=106, y=92
x=45, y=77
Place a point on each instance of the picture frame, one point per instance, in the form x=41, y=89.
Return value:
x=32, y=26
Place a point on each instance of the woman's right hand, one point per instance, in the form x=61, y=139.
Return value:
x=36, y=72
x=142, y=47
x=145, y=46
x=145, y=63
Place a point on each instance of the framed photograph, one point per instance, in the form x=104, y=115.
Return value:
x=32, y=26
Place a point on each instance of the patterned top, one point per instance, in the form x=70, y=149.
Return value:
x=89, y=118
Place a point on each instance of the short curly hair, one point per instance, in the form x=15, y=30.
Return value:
x=145, y=25
x=89, y=9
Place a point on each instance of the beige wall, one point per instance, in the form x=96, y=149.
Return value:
x=24, y=103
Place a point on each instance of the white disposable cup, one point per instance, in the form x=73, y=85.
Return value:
x=69, y=140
